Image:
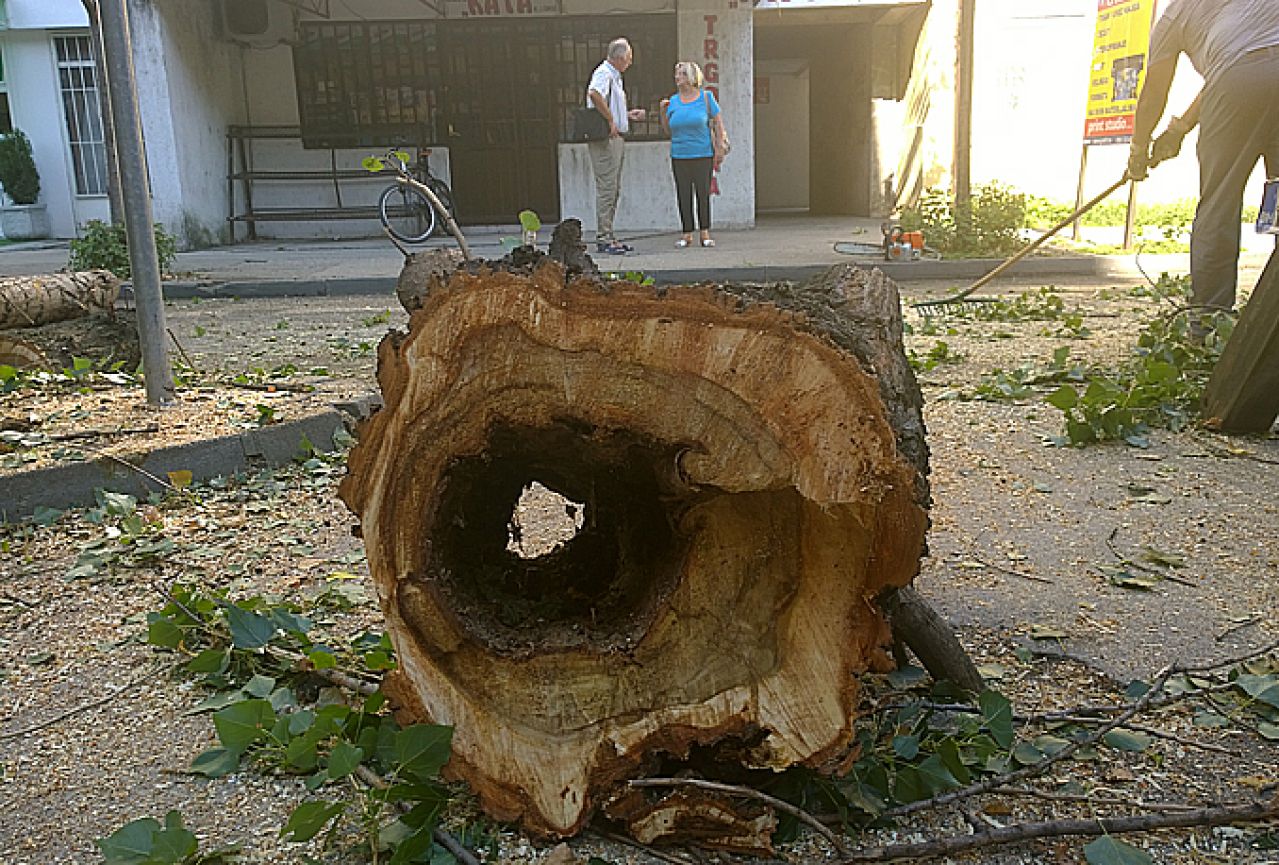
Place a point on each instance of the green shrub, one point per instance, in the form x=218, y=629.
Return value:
x=990, y=224
x=18, y=173
x=107, y=247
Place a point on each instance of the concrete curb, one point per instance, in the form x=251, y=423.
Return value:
x=74, y=484
x=384, y=286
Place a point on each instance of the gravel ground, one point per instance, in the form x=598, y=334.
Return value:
x=1022, y=535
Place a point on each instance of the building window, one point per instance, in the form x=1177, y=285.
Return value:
x=363, y=84
x=6, y=120
x=78, y=80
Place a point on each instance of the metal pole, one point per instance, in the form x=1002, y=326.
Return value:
x=964, y=104
x=114, y=196
x=138, y=221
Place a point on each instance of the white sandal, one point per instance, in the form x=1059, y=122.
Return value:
x=682, y=243
x=708, y=242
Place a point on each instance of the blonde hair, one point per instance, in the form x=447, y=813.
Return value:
x=691, y=71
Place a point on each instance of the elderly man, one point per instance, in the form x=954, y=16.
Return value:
x=605, y=95
x=1234, y=44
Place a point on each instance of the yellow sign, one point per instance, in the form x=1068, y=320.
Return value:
x=1120, y=46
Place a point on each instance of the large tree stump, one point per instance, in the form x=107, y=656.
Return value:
x=752, y=467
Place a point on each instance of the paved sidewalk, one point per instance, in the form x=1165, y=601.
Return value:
x=779, y=247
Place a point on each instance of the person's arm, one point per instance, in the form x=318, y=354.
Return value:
x=1168, y=144
x=662, y=108
x=602, y=107
x=717, y=137
x=1150, y=107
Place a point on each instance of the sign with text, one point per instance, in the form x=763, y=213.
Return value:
x=500, y=8
x=1120, y=45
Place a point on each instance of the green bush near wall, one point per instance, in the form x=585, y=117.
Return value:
x=106, y=247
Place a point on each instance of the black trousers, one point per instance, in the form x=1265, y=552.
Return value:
x=693, y=176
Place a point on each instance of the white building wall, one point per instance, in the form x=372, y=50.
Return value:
x=36, y=105
x=203, y=93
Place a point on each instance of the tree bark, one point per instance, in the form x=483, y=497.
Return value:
x=751, y=465
x=29, y=301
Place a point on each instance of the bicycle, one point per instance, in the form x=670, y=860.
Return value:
x=406, y=212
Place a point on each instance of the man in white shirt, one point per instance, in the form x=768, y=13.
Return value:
x=1234, y=44
x=606, y=95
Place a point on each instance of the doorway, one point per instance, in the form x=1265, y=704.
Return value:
x=499, y=112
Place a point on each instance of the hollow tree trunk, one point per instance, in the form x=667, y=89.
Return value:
x=751, y=470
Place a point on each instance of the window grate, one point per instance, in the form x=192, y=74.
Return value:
x=367, y=83
x=78, y=80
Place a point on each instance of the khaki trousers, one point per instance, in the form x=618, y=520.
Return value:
x=606, y=164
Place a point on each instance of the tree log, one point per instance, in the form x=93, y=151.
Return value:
x=29, y=301
x=751, y=468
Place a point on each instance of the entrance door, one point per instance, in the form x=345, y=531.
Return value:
x=499, y=110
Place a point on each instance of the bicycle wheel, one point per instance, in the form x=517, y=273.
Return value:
x=406, y=213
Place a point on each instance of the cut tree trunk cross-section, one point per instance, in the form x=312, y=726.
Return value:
x=752, y=475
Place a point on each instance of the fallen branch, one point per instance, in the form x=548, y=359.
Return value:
x=442, y=837
x=651, y=851
x=1010, y=571
x=16, y=734
x=101, y=433
x=273, y=388
x=1035, y=769
x=1082, y=798
x=1202, y=817
x=748, y=793
x=1133, y=563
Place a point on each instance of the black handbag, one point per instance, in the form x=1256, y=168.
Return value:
x=588, y=125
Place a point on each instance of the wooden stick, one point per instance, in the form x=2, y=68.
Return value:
x=86, y=706
x=1215, y=816
x=748, y=793
x=442, y=837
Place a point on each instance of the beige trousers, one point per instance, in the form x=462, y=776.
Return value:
x=606, y=163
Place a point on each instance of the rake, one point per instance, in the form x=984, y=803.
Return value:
x=964, y=299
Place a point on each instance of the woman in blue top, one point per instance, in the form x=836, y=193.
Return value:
x=692, y=117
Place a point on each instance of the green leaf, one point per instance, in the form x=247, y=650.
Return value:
x=216, y=762
x=259, y=686
x=949, y=753
x=906, y=747
x=309, y=819
x=1064, y=398
x=243, y=724
x=1126, y=740
x=174, y=843
x=210, y=661
x=161, y=631
x=411, y=848
x=1268, y=731
x=423, y=749
x=344, y=759
x=529, y=221
x=372, y=163
x=130, y=844
x=1027, y=754
x=936, y=776
x=248, y=629
x=1262, y=688
x=1107, y=851
x=997, y=714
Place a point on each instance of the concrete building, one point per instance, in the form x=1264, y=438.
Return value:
x=258, y=113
